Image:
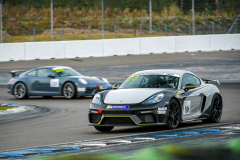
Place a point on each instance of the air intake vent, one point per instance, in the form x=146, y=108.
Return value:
x=94, y=118
x=117, y=120
x=203, y=103
x=146, y=118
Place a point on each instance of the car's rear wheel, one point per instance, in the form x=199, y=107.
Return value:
x=104, y=128
x=20, y=91
x=174, y=115
x=215, y=110
x=69, y=90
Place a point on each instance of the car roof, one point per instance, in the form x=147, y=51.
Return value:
x=171, y=71
x=53, y=67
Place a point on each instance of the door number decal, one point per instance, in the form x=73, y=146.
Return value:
x=186, y=107
x=54, y=83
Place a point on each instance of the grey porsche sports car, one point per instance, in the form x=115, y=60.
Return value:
x=54, y=81
x=157, y=97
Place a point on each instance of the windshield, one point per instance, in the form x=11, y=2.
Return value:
x=151, y=81
x=65, y=72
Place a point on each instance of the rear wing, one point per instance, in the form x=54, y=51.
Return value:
x=210, y=80
x=16, y=72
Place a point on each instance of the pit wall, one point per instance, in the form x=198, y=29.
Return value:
x=111, y=47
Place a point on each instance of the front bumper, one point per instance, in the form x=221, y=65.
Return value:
x=91, y=91
x=128, y=117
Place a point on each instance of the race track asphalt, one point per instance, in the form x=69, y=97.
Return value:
x=66, y=120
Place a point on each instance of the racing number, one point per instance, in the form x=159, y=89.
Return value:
x=186, y=106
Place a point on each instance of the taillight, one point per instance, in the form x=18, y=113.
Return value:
x=10, y=80
x=97, y=85
x=99, y=111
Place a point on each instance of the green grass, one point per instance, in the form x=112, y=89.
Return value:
x=5, y=108
x=69, y=37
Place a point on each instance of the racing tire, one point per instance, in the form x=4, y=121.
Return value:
x=215, y=110
x=69, y=90
x=20, y=91
x=104, y=128
x=174, y=114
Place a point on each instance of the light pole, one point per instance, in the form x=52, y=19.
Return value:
x=51, y=20
x=193, y=23
x=1, y=19
x=102, y=20
x=150, y=16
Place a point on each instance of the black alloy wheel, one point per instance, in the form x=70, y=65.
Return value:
x=216, y=110
x=174, y=115
x=20, y=91
x=69, y=90
x=104, y=128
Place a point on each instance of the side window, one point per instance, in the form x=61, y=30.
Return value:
x=145, y=80
x=197, y=81
x=188, y=79
x=32, y=73
x=44, y=72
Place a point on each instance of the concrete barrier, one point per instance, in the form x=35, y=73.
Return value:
x=192, y=43
x=84, y=48
x=224, y=42
x=157, y=45
x=110, y=47
x=44, y=50
x=121, y=46
x=12, y=51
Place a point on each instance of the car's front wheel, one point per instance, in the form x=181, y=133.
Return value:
x=174, y=115
x=215, y=110
x=104, y=128
x=20, y=91
x=69, y=90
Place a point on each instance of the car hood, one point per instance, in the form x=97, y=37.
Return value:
x=130, y=96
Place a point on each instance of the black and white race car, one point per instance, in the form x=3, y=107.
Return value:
x=156, y=97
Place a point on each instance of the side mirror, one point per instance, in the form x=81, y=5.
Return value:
x=189, y=86
x=51, y=76
x=115, y=86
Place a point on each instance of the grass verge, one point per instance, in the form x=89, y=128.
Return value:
x=3, y=108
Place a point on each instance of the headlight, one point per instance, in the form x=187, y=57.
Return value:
x=96, y=99
x=105, y=80
x=154, y=99
x=83, y=81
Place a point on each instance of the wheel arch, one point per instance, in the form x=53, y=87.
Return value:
x=17, y=83
x=216, y=93
x=68, y=81
x=173, y=97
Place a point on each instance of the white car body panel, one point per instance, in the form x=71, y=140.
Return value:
x=129, y=96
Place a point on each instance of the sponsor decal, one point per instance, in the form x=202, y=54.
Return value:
x=103, y=87
x=132, y=78
x=58, y=70
x=186, y=107
x=82, y=89
x=117, y=107
x=149, y=73
x=54, y=83
x=162, y=109
x=161, y=112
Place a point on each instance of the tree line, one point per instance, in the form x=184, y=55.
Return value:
x=157, y=5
